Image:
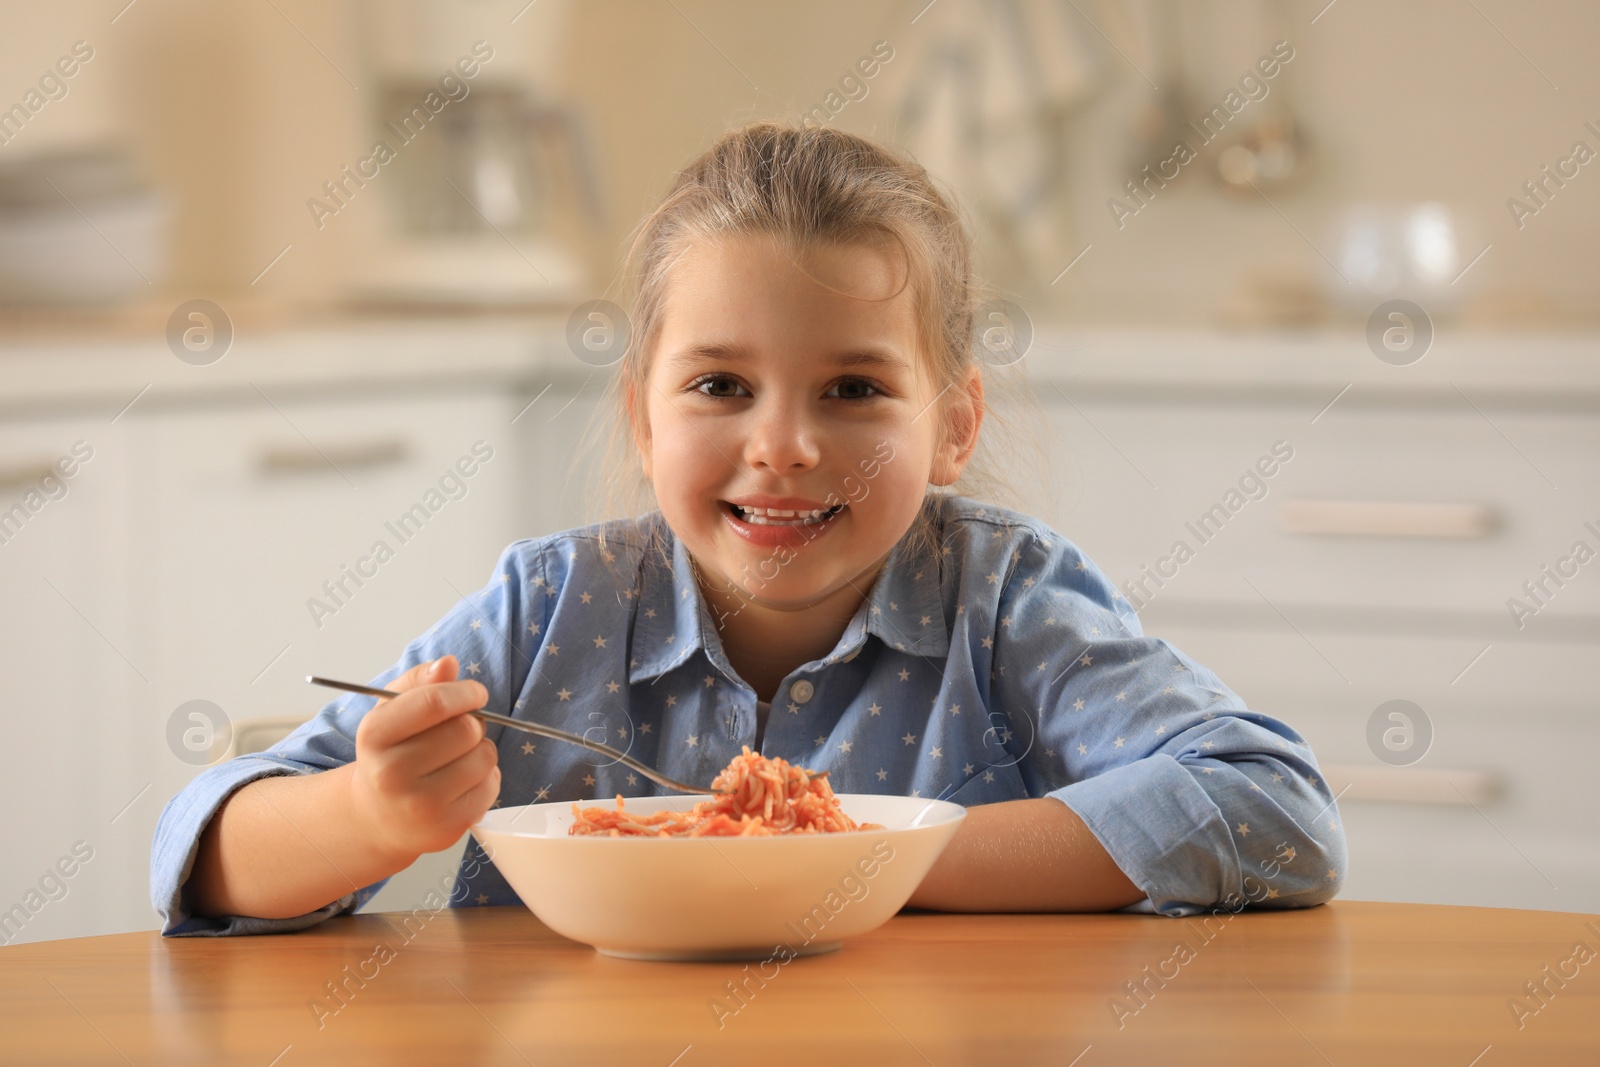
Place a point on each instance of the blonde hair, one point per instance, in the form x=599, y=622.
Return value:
x=803, y=185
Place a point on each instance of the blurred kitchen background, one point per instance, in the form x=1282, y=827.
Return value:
x=235, y=339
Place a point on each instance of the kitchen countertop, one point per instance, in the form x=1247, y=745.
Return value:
x=57, y=376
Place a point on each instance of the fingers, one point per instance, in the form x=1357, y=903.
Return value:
x=436, y=747
x=442, y=669
x=471, y=805
x=463, y=774
x=418, y=709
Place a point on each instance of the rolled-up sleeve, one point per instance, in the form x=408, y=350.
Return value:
x=480, y=631
x=1200, y=801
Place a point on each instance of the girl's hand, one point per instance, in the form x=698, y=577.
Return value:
x=424, y=773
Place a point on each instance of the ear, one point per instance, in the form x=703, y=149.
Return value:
x=638, y=417
x=961, y=427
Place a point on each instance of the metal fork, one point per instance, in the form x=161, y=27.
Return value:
x=535, y=728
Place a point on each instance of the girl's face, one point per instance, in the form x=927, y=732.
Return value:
x=799, y=388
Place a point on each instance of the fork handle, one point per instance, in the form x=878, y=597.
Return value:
x=532, y=728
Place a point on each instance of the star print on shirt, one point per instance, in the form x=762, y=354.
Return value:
x=1044, y=604
x=1244, y=829
x=564, y=694
x=693, y=741
x=472, y=668
x=588, y=779
x=910, y=739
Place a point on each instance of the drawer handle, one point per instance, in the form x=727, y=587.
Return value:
x=1413, y=785
x=1381, y=518
x=278, y=461
x=28, y=475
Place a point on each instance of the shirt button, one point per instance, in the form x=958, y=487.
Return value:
x=801, y=691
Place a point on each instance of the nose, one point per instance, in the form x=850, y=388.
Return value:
x=782, y=439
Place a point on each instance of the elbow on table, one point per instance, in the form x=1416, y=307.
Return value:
x=1305, y=875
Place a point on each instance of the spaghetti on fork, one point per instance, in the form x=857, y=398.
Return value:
x=764, y=796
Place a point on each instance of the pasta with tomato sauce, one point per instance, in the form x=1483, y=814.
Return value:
x=765, y=796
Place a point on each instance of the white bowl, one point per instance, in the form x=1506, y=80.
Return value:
x=714, y=898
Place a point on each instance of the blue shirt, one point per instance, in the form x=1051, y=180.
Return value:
x=1002, y=666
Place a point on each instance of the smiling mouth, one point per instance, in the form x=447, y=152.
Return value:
x=782, y=516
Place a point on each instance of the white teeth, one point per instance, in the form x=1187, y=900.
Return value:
x=781, y=516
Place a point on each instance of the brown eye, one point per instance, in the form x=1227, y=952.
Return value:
x=716, y=386
x=855, y=389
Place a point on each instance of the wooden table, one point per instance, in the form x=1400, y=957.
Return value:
x=1347, y=983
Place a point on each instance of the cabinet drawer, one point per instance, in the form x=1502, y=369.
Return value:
x=1522, y=715
x=1423, y=508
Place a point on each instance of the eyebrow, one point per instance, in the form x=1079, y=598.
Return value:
x=712, y=351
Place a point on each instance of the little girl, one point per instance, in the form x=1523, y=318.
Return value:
x=801, y=374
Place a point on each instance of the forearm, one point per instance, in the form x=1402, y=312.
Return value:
x=284, y=846
x=1025, y=855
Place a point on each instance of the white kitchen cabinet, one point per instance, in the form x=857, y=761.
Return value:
x=75, y=683
x=195, y=541
x=1319, y=629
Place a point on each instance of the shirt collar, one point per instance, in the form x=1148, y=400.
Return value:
x=672, y=620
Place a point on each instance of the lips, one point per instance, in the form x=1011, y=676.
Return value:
x=772, y=522
x=784, y=516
